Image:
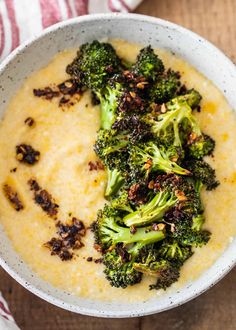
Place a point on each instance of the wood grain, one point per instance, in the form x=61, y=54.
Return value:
x=215, y=309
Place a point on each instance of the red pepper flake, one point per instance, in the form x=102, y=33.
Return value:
x=95, y=165
x=97, y=247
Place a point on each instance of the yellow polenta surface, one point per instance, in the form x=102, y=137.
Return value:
x=65, y=140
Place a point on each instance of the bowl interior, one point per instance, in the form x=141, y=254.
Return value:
x=134, y=28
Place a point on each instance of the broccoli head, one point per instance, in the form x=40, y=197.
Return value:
x=120, y=271
x=165, y=87
x=172, y=251
x=200, y=146
x=121, y=202
x=185, y=235
x=203, y=172
x=192, y=97
x=111, y=148
x=168, y=125
x=148, y=64
x=149, y=157
x=95, y=63
x=132, y=125
x=165, y=271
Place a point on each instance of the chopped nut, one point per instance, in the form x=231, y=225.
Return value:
x=174, y=159
x=133, y=94
x=141, y=85
x=163, y=108
x=158, y=226
x=180, y=195
x=151, y=185
x=192, y=137
x=148, y=164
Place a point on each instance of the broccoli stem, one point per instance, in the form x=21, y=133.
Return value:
x=153, y=211
x=143, y=235
x=108, y=108
x=114, y=182
x=109, y=103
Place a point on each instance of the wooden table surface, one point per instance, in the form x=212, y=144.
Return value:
x=215, y=309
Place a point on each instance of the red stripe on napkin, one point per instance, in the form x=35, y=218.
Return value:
x=15, y=34
x=50, y=12
x=68, y=8
x=81, y=7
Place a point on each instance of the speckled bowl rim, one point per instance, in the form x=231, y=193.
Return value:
x=225, y=267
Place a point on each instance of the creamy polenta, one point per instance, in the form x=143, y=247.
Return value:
x=65, y=139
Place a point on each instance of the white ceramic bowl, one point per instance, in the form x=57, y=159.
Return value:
x=134, y=28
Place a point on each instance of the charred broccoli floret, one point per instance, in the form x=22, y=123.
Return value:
x=172, y=251
x=119, y=270
x=95, y=63
x=201, y=146
x=121, y=202
x=152, y=211
x=122, y=246
x=132, y=125
x=114, y=181
x=168, y=126
x=192, y=97
x=148, y=64
x=110, y=147
x=149, y=157
x=204, y=172
x=165, y=87
x=185, y=235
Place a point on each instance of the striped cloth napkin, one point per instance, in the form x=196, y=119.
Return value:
x=22, y=19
